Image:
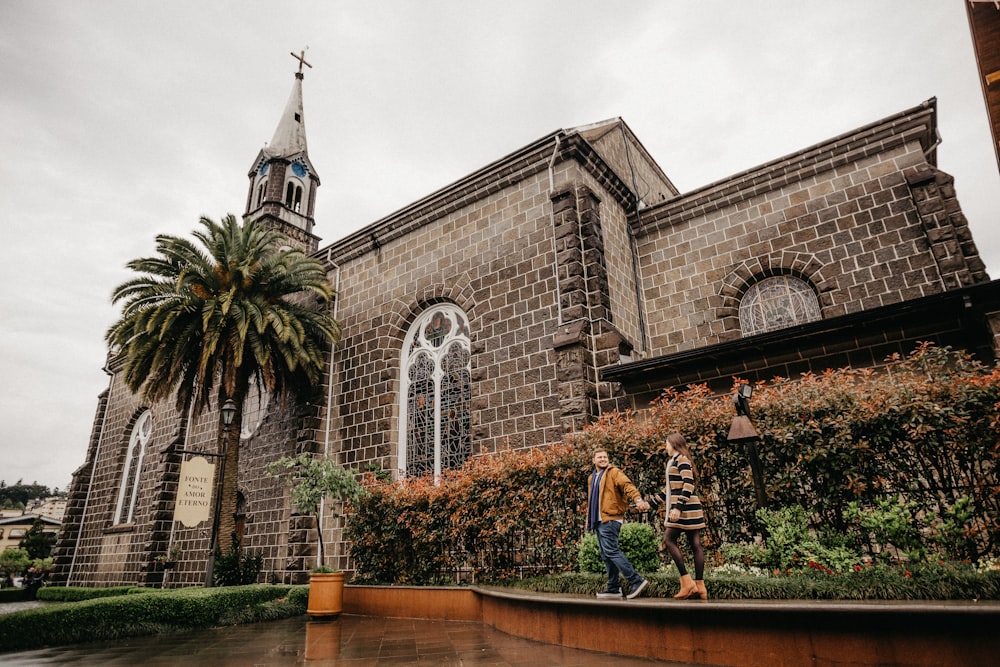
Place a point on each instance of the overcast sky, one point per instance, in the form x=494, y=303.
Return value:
x=122, y=120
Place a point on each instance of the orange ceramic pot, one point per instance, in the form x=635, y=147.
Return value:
x=326, y=594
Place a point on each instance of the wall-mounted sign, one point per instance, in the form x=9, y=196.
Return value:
x=194, y=492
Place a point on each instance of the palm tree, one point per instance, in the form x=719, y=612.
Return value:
x=202, y=322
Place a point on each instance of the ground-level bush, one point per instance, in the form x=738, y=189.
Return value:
x=78, y=593
x=637, y=541
x=147, y=613
x=927, y=582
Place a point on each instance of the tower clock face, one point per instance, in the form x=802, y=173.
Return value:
x=263, y=169
x=298, y=169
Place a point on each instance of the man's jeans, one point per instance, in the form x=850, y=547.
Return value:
x=614, y=559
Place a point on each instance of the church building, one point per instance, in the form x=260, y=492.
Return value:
x=564, y=280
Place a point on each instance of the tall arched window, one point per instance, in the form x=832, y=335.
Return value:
x=128, y=491
x=776, y=303
x=436, y=395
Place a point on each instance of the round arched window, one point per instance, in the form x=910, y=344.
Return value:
x=776, y=303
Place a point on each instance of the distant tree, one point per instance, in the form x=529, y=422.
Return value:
x=23, y=493
x=14, y=560
x=36, y=542
x=202, y=322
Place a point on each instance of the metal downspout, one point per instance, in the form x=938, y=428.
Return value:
x=329, y=384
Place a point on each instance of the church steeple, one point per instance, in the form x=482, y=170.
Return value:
x=283, y=181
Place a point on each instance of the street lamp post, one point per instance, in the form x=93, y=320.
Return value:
x=228, y=414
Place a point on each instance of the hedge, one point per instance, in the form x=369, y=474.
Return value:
x=916, y=440
x=145, y=613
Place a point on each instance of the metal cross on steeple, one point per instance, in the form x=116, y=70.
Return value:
x=302, y=59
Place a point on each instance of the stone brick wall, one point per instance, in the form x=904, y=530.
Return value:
x=493, y=258
x=65, y=548
x=628, y=158
x=868, y=231
x=110, y=554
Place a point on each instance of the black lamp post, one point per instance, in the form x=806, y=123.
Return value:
x=742, y=430
x=228, y=414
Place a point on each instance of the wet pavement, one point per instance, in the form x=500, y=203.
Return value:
x=356, y=641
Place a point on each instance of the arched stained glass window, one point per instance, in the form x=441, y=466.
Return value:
x=437, y=393
x=128, y=491
x=776, y=303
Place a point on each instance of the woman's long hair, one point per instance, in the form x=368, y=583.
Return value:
x=680, y=445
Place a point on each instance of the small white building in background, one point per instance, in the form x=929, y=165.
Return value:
x=14, y=528
x=53, y=507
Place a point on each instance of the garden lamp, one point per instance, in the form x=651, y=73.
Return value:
x=228, y=413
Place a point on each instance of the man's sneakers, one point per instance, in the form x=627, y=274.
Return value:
x=637, y=590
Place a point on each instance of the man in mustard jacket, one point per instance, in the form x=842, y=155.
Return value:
x=608, y=493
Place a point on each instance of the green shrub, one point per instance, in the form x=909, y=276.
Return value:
x=875, y=582
x=299, y=595
x=889, y=529
x=147, y=612
x=237, y=567
x=637, y=541
x=792, y=545
x=78, y=593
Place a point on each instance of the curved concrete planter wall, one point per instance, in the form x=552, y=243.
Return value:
x=738, y=633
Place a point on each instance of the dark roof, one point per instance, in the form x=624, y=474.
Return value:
x=29, y=519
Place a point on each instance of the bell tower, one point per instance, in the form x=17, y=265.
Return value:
x=283, y=181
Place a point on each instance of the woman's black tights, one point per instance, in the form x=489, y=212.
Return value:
x=694, y=539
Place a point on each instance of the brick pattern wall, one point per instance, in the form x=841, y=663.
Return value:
x=494, y=260
x=947, y=230
x=622, y=151
x=109, y=554
x=65, y=548
x=854, y=230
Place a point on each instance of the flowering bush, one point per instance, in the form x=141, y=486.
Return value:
x=894, y=465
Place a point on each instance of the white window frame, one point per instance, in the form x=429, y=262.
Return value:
x=785, y=293
x=416, y=345
x=142, y=431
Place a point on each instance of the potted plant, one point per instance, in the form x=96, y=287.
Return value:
x=310, y=480
x=169, y=559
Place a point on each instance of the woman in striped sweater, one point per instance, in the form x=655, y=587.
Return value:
x=684, y=514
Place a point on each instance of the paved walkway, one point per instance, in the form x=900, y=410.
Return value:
x=355, y=641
